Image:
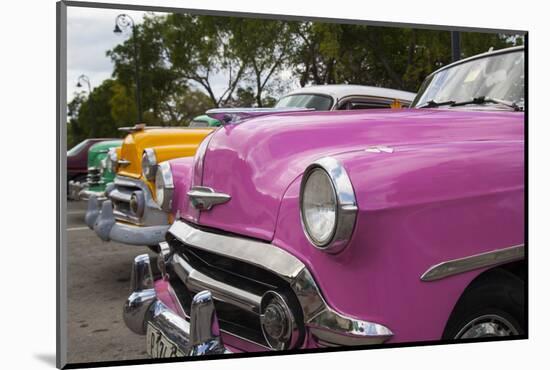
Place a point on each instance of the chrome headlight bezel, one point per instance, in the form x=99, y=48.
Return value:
x=198, y=160
x=111, y=162
x=103, y=164
x=149, y=164
x=164, y=184
x=346, y=205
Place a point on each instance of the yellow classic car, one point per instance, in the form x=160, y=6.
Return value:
x=128, y=211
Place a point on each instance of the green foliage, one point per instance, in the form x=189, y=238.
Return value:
x=91, y=116
x=190, y=63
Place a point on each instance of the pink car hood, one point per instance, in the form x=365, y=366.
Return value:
x=256, y=161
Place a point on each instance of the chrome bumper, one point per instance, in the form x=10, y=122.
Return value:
x=100, y=218
x=327, y=326
x=74, y=189
x=198, y=336
x=87, y=194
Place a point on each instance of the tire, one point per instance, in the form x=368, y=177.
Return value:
x=492, y=306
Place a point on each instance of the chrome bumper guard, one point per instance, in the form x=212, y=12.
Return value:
x=198, y=336
x=75, y=188
x=121, y=193
x=327, y=326
x=100, y=218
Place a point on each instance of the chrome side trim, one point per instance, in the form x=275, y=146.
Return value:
x=460, y=265
x=204, y=198
x=327, y=325
x=346, y=209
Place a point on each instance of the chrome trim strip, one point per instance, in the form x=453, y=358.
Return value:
x=460, y=265
x=327, y=325
x=196, y=281
x=246, y=250
x=123, y=162
x=346, y=209
x=204, y=198
x=137, y=127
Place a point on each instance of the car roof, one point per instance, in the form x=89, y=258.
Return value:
x=342, y=90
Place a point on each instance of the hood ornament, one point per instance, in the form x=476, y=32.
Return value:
x=137, y=127
x=204, y=198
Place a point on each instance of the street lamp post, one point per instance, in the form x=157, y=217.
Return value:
x=455, y=45
x=122, y=22
x=83, y=79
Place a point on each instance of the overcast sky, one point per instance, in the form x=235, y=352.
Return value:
x=89, y=35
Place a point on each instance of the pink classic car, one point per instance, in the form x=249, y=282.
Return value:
x=317, y=229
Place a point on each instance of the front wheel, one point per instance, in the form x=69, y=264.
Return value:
x=492, y=307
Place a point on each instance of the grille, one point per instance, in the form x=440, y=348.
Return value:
x=235, y=319
x=94, y=176
x=120, y=196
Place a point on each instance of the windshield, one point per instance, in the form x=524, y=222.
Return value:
x=198, y=123
x=77, y=148
x=317, y=102
x=498, y=76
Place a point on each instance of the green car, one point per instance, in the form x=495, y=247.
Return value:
x=204, y=121
x=99, y=174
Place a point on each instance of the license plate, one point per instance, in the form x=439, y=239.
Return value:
x=159, y=346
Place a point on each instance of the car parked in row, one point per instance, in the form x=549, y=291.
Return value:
x=100, y=175
x=130, y=213
x=319, y=229
x=77, y=166
x=133, y=213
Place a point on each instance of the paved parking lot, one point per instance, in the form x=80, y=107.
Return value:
x=98, y=284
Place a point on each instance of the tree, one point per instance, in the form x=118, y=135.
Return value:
x=196, y=50
x=83, y=120
x=398, y=58
x=160, y=83
x=190, y=63
x=262, y=53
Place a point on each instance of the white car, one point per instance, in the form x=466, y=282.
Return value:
x=345, y=97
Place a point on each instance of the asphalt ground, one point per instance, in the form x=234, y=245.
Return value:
x=98, y=285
